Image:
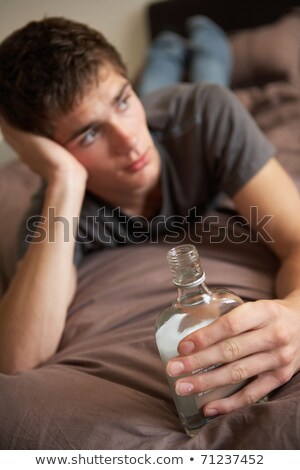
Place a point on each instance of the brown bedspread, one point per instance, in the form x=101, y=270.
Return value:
x=105, y=388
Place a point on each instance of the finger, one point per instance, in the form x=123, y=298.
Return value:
x=2, y=121
x=228, y=350
x=249, y=316
x=7, y=131
x=232, y=373
x=3, y=127
x=250, y=394
x=277, y=91
x=277, y=339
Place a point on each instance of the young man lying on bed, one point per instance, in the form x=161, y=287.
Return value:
x=69, y=111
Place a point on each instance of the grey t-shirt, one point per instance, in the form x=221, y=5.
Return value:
x=208, y=144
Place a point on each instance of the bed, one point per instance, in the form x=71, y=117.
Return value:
x=105, y=388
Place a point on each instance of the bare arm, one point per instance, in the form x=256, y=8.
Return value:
x=273, y=192
x=258, y=340
x=34, y=308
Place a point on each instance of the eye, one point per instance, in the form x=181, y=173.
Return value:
x=123, y=102
x=90, y=136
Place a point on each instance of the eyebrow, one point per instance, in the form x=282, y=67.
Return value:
x=94, y=123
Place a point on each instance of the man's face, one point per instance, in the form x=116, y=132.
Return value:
x=107, y=133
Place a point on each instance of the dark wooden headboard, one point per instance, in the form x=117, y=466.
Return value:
x=230, y=14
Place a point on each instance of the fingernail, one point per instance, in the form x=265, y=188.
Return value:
x=187, y=347
x=183, y=388
x=211, y=412
x=175, y=368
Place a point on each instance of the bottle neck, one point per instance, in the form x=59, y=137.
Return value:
x=188, y=275
x=189, y=291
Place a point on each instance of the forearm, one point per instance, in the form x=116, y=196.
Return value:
x=288, y=277
x=33, y=311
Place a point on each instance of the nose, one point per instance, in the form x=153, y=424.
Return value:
x=124, y=137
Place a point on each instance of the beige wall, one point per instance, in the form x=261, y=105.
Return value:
x=124, y=22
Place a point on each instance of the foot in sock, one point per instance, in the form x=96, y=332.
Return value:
x=210, y=52
x=165, y=63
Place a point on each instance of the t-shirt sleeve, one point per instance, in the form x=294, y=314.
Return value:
x=235, y=147
x=209, y=143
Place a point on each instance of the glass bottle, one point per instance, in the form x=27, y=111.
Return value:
x=195, y=307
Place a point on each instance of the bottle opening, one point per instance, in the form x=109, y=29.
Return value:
x=184, y=262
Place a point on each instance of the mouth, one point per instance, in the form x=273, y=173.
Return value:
x=140, y=163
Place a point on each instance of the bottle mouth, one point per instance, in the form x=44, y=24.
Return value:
x=184, y=262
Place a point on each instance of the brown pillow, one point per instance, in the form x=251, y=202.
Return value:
x=267, y=53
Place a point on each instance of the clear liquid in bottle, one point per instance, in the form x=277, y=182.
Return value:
x=195, y=307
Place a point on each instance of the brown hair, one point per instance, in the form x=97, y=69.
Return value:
x=46, y=66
